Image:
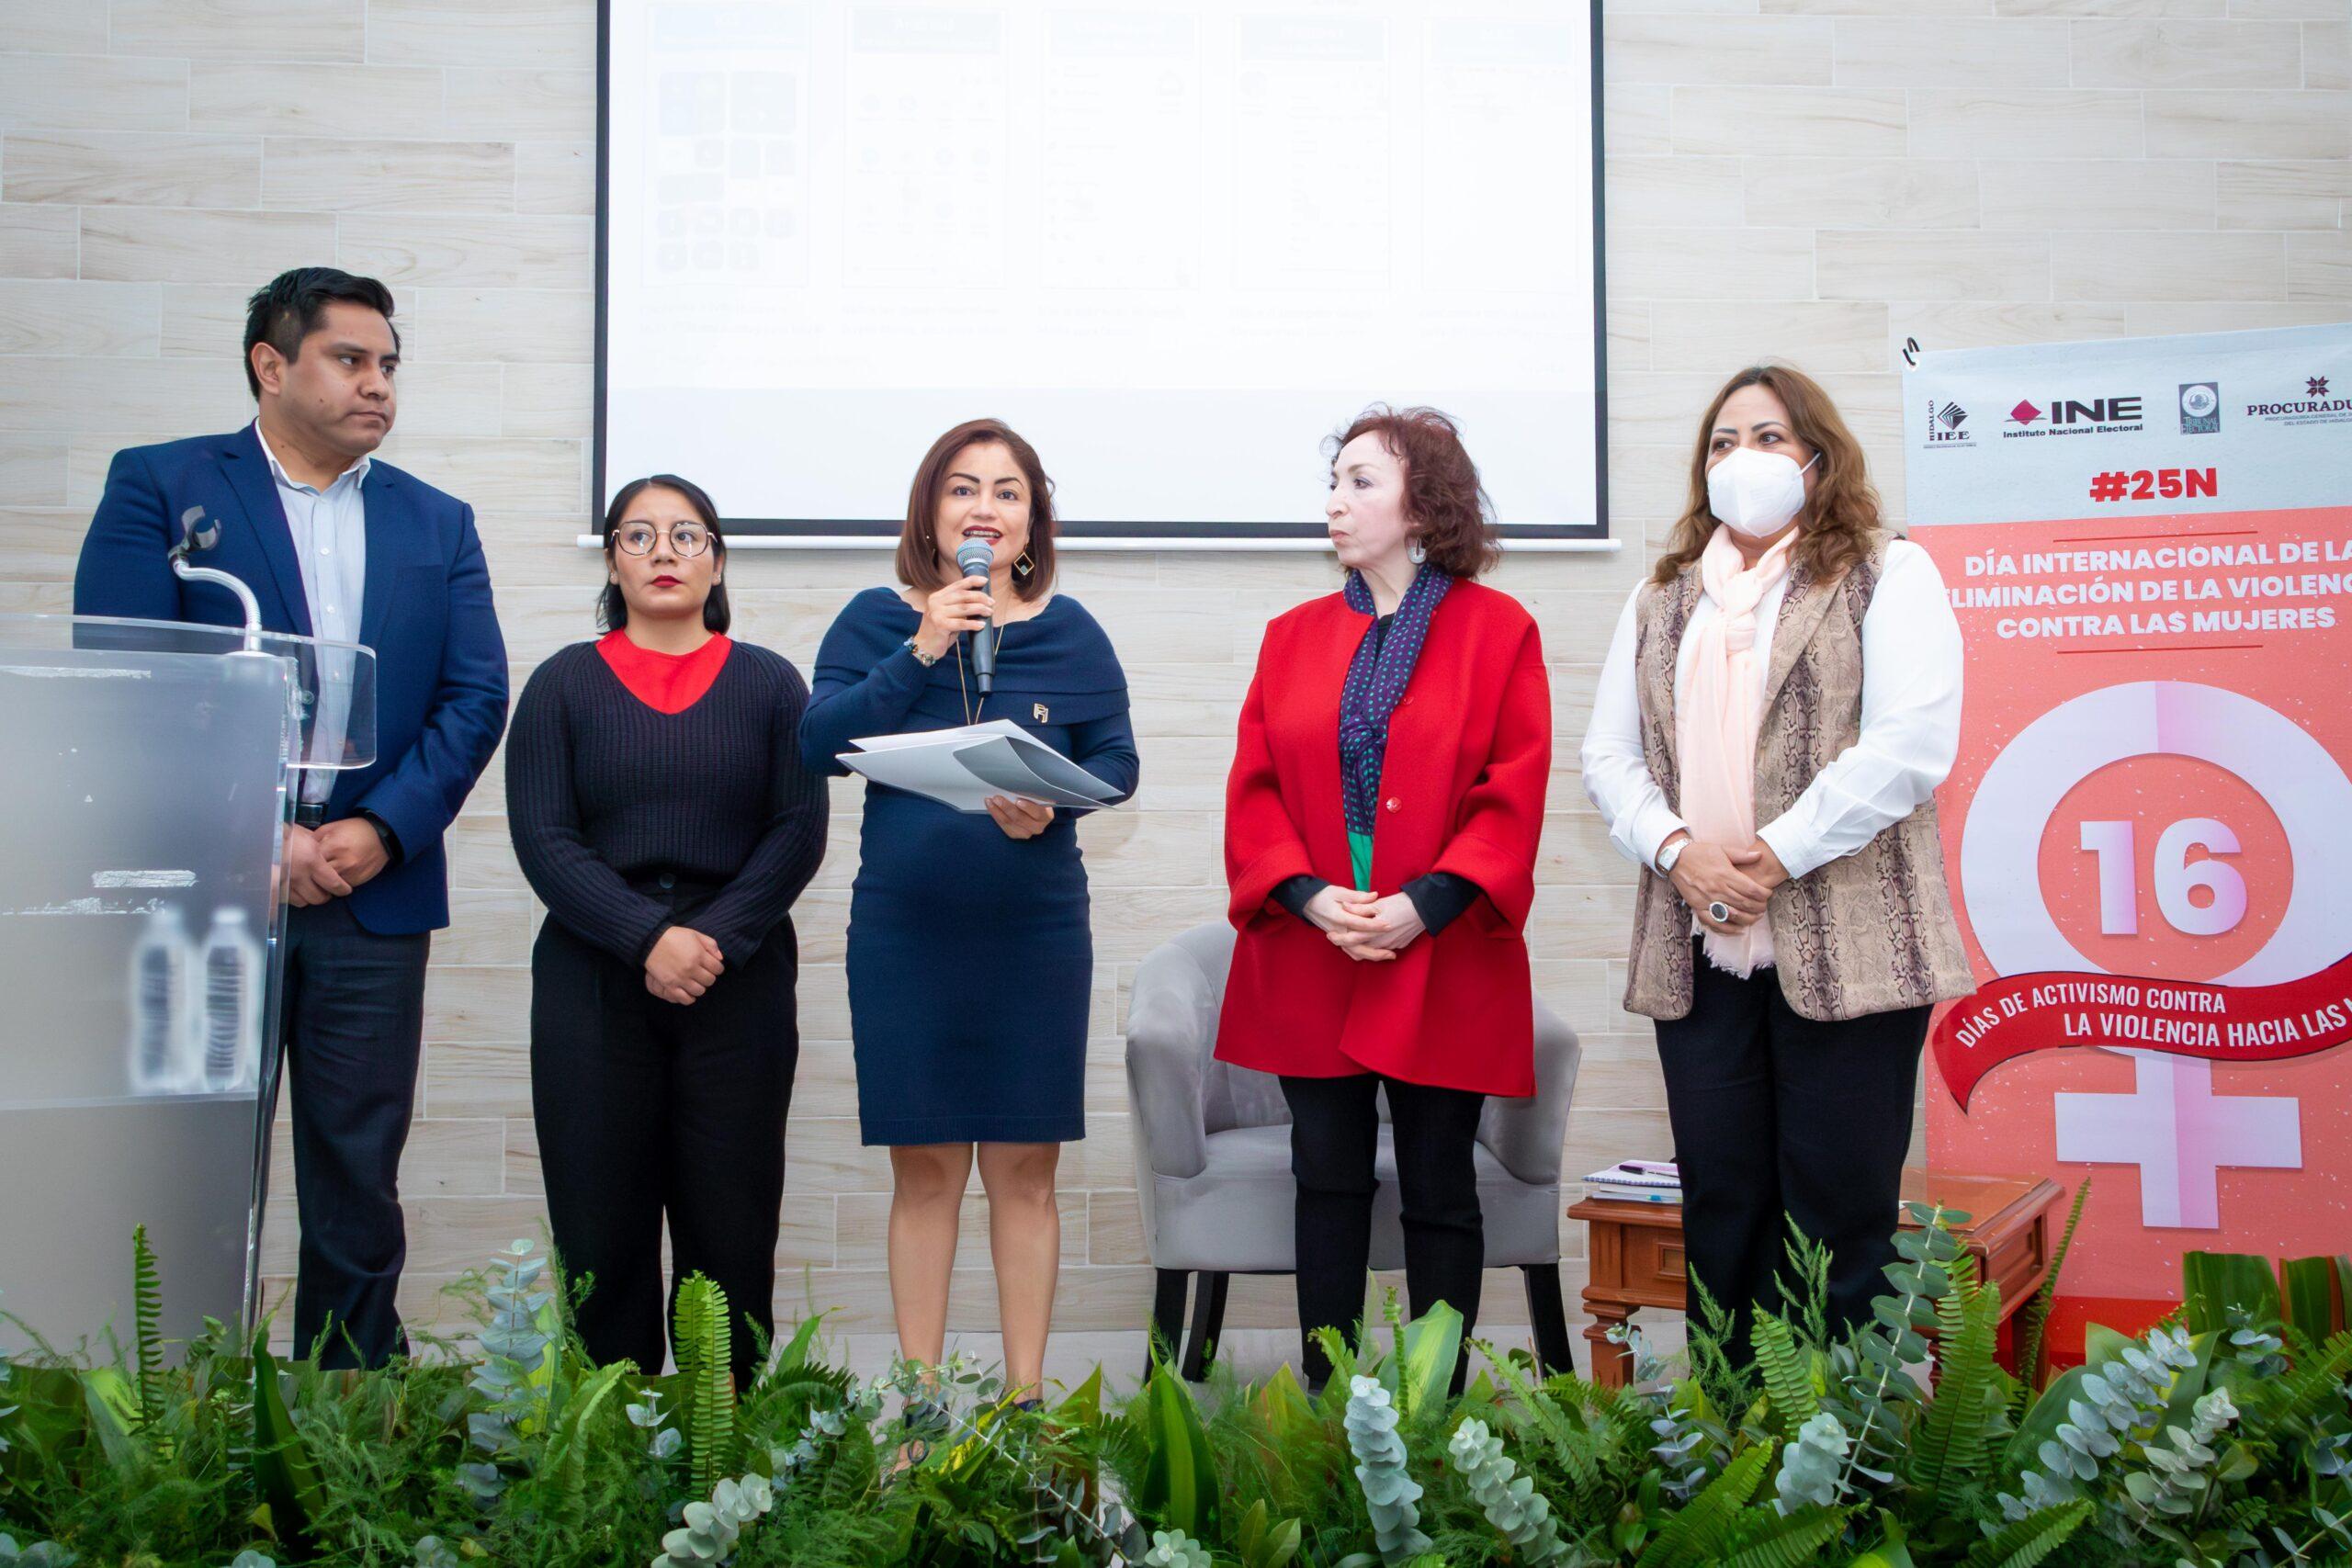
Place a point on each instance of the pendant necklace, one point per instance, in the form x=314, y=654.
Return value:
x=971, y=714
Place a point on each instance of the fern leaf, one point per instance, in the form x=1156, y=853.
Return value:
x=1534, y=1410
x=2028, y=1540
x=1766, y=1540
x=1788, y=1377
x=717, y=1396
x=852, y=1467
x=1697, y=1533
x=1808, y=1292
x=2316, y=1380
x=1957, y=1433
x=147, y=1297
x=706, y=1402
x=685, y=1339
x=566, y=1462
x=2037, y=1311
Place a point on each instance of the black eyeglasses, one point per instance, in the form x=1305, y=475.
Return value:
x=639, y=538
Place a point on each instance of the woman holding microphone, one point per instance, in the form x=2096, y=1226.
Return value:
x=661, y=811
x=1381, y=826
x=970, y=956
x=1778, y=703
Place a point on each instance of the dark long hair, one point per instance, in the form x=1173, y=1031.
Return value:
x=612, y=606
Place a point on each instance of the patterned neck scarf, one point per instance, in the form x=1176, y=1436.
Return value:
x=1376, y=680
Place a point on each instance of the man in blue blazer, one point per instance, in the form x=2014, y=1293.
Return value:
x=336, y=545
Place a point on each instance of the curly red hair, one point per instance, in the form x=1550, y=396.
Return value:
x=1442, y=494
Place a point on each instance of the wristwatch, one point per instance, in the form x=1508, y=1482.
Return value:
x=391, y=841
x=1668, y=856
x=925, y=659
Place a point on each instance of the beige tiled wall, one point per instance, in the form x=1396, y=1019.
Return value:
x=1815, y=179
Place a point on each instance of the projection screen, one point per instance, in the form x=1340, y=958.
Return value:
x=1176, y=245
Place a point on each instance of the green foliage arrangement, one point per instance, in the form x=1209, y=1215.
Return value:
x=2221, y=1439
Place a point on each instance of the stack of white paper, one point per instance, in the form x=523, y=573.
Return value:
x=964, y=767
x=1636, y=1181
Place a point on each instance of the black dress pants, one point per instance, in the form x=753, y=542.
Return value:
x=1334, y=1142
x=647, y=1110
x=352, y=1021
x=1774, y=1113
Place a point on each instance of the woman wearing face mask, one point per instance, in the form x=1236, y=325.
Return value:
x=970, y=959
x=1381, y=825
x=660, y=810
x=1778, y=703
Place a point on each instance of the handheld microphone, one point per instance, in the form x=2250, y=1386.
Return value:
x=973, y=558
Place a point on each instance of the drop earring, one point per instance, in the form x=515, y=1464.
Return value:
x=1415, y=551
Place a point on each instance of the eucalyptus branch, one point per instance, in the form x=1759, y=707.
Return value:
x=1390, y=1489
x=1921, y=1278
x=2115, y=1402
x=2176, y=1482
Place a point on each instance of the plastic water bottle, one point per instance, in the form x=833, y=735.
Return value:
x=231, y=970
x=161, y=1018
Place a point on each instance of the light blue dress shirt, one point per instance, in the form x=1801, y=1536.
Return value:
x=330, y=529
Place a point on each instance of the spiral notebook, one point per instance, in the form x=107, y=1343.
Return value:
x=1636, y=1181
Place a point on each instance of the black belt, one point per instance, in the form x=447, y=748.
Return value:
x=310, y=814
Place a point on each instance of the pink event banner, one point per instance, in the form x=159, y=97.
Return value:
x=2148, y=545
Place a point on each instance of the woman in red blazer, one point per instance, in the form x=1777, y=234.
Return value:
x=1381, y=826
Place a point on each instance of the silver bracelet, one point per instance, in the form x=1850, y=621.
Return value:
x=925, y=659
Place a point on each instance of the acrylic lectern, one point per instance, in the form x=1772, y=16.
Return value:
x=153, y=768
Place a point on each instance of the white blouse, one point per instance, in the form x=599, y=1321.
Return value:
x=1911, y=671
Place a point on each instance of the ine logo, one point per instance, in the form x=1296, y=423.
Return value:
x=2201, y=408
x=2074, y=416
x=1945, y=425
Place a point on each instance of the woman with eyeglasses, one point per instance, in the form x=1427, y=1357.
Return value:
x=660, y=810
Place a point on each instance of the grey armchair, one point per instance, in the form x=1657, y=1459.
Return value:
x=1213, y=1158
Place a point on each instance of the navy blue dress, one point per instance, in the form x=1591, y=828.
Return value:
x=971, y=960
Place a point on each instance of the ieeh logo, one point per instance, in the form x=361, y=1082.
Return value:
x=2201, y=408
x=1944, y=425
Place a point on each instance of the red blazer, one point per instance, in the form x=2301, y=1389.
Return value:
x=1461, y=790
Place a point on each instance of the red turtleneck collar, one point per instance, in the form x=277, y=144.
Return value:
x=666, y=682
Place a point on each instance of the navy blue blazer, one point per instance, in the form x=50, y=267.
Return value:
x=440, y=661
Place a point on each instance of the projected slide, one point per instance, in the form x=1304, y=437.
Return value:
x=1175, y=245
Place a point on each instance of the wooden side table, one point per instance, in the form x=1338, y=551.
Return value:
x=1635, y=1250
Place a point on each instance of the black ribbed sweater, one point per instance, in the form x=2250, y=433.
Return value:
x=606, y=796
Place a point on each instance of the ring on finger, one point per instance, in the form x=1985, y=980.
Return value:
x=1719, y=912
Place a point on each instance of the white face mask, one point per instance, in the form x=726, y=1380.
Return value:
x=1755, y=492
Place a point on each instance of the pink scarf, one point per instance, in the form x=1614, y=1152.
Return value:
x=1716, y=719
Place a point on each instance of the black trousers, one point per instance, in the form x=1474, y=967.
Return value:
x=352, y=1023
x=1334, y=1142
x=1776, y=1113
x=649, y=1110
